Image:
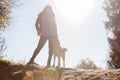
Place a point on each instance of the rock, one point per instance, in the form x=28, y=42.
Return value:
x=13, y=71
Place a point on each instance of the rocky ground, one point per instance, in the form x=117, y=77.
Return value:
x=12, y=71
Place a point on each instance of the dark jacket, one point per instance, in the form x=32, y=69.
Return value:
x=47, y=24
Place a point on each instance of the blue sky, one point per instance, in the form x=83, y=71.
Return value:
x=86, y=38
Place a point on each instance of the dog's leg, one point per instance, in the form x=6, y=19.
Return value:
x=63, y=59
x=58, y=62
x=54, y=61
x=64, y=63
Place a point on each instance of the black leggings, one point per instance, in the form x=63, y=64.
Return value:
x=42, y=41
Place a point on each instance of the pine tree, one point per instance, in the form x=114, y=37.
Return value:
x=112, y=8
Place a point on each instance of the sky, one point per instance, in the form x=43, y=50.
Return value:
x=80, y=25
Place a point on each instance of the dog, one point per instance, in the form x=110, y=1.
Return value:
x=58, y=52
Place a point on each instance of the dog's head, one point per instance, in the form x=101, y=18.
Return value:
x=64, y=49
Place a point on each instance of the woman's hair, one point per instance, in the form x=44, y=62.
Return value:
x=48, y=10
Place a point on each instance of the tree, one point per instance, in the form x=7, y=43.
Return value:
x=112, y=8
x=5, y=17
x=86, y=64
x=3, y=46
x=5, y=10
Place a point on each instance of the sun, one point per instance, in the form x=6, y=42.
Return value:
x=75, y=10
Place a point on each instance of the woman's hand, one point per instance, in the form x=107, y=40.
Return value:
x=39, y=33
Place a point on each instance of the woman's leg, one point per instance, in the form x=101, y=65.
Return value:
x=41, y=43
x=50, y=52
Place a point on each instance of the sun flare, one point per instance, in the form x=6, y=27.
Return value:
x=75, y=10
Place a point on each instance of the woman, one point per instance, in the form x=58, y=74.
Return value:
x=47, y=30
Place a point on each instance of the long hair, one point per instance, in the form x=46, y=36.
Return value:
x=48, y=11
